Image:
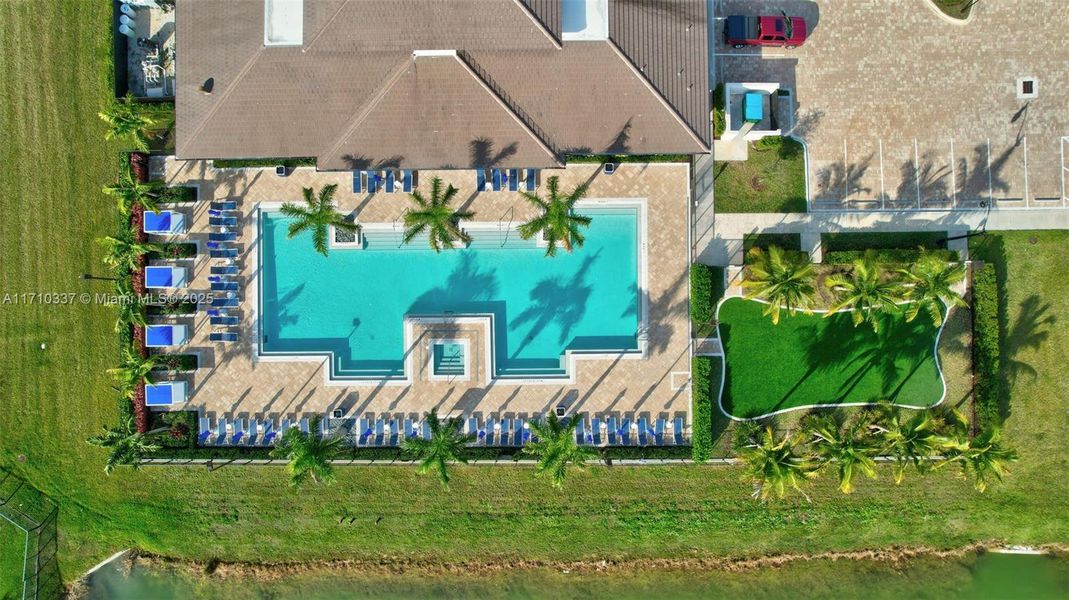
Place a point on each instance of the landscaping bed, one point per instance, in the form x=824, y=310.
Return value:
x=267, y=163
x=808, y=359
x=771, y=180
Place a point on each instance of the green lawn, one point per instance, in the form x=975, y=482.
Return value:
x=809, y=359
x=54, y=398
x=12, y=549
x=771, y=180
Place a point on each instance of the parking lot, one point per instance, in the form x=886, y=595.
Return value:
x=901, y=109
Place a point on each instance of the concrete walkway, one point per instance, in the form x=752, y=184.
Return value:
x=722, y=242
x=702, y=195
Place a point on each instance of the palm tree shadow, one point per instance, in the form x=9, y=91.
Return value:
x=556, y=302
x=1029, y=332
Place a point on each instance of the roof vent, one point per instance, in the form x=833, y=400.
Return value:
x=283, y=22
x=1027, y=88
x=207, y=86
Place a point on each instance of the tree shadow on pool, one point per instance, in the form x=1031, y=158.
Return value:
x=555, y=302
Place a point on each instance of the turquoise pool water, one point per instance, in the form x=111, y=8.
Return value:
x=352, y=302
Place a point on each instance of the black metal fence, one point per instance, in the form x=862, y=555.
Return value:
x=33, y=513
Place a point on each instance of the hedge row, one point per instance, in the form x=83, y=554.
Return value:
x=242, y=163
x=888, y=255
x=387, y=454
x=986, y=348
x=178, y=194
x=706, y=287
x=627, y=158
x=886, y=240
x=701, y=432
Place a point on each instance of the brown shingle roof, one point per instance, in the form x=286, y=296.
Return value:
x=297, y=101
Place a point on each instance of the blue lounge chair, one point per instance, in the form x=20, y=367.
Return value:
x=658, y=431
x=625, y=431
x=505, y=433
x=224, y=253
x=426, y=429
x=473, y=426
x=518, y=427
x=678, y=431
x=224, y=302
x=223, y=336
x=495, y=175
x=284, y=426
x=204, y=430
x=223, y=205
x=480, y=180
x=269, y=432
x=644, y=431
x=222, y=221
x=374, y=181
x=391, y=181
x=365, y=430
x=611, y=424
x=224, y=270
x=580, y=430
x=324, y=427
x=594, y=435
x=380, y=432
x=410, y=429
x=531, y=179
x=220, y=431
x=228, y=236
x=526, y=432
x=488, y=440
x=406, y=181
x=253, y=435
x=239, y=431
x=225, y=286
x=225, y=321
x=219, y=245
x=358, y=185
x=514, y=180
x=395, y=431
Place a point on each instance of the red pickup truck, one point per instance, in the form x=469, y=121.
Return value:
x=783, y=31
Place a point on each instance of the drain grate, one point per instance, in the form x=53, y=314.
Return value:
x=1027, y=87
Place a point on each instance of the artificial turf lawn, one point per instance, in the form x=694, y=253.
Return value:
x=809, y=359
x=51, y=171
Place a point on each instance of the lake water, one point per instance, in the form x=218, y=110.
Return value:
x=983, y=577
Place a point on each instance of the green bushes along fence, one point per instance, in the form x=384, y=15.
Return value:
x=706, y=289
x=986, y=350
x=701, y=431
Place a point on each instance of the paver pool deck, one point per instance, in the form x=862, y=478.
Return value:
x=232, y=383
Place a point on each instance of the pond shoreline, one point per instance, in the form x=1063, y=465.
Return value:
x=401, y=566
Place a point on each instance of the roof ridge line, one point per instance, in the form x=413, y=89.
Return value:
x=538, y=23
x=324, y=27
x=657, y=93
x=462, y=58
x=226, y=94
x=363, y=111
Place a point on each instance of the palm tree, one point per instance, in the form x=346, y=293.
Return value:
x=848, y=447
x=446, y=446
x=131, y=308
x=123, y=252
x=129, y=192
x=318, y=215
x=774, y=466
x=983, y=458
x=309, y=455
x=556, y=448
x=783, y=280
x=558, y=222
x=134, y=371
x=929, y=284
x=128, y=118
x=436, y=217
x=865, y=291
x=126, y=446
x=910, y=441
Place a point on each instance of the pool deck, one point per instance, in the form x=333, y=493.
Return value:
x=232, y=383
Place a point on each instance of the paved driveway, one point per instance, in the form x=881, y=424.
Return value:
x=900, y=109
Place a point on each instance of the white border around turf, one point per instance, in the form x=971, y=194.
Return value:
x=724, y=366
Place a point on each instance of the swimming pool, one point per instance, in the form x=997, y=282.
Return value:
x=352, y=304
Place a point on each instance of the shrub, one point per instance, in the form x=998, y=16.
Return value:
x=706, y=289
x=626, y=158
x=174, y=250
x=701, y=433
x=171, y=308
x=719, y=116
x=888, y=256
x=243, y=163
x=177, y=362
x=986, y=345
x=178, y=194
x=863, y=240
x=786, y=241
